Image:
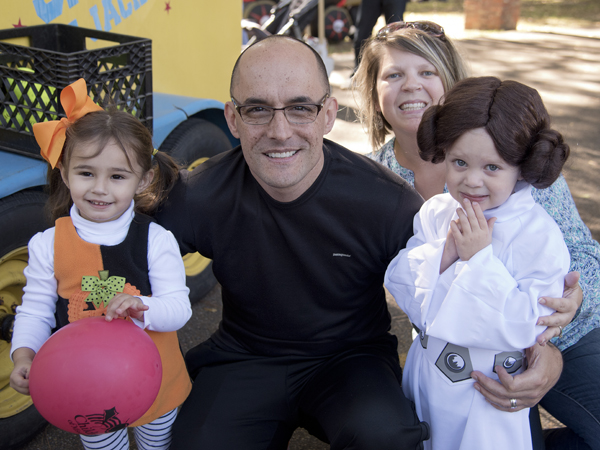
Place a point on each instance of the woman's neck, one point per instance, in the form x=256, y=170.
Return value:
x=430, y=178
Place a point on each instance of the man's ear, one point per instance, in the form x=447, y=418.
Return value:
x=145, y=181
x=63, y=173
x=330, y=109
x=230, y=117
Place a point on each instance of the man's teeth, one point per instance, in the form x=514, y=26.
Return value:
x=281, y=155
x=412, y=106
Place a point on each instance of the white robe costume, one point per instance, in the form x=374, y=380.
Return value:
x=477, y=314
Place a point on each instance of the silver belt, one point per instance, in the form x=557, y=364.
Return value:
x=457, y=362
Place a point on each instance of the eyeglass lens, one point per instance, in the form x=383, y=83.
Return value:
x=261, y=115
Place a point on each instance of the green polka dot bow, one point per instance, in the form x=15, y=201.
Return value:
x=102, y=289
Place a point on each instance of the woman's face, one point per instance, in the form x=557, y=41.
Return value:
x=407, y=85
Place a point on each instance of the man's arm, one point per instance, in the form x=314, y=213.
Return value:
x=173, y=214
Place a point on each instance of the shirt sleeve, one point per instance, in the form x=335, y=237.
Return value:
x=413, y=274
x=479, y=303
x=585, y=256
x=169, y=306
x=35, y=316
x=488, y=306
x=174, y=214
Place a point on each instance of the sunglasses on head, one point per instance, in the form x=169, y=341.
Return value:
x=426, y=26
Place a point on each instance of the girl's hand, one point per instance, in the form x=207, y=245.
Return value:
x=565, y=307
x=125, y=305
x=450, y=254
x=19, y=377
x=473, y=232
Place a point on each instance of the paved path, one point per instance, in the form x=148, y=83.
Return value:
x=566, y=71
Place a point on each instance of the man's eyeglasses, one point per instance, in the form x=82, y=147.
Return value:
x=299, y=114
x=428, y=27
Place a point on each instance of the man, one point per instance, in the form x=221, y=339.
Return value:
x=300, y=231
x=369, y=12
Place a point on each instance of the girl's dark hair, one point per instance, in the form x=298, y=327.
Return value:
x=513, y=115
x=98, y=128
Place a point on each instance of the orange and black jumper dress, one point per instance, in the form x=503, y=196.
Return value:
x=75, y=258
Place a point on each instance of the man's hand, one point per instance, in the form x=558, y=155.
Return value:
x=527, y=388
x=565, y=307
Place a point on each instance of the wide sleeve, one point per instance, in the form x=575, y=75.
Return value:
x=35, y=316
x=489, y=306
x=413, y=274
x=169, y=306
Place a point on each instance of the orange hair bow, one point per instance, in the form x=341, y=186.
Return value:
x=51, y=135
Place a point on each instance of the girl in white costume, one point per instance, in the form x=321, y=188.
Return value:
x=480, y=258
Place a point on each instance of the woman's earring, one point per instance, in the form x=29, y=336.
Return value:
x=378, y=121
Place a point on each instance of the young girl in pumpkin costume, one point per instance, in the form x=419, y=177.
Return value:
x=105, y=174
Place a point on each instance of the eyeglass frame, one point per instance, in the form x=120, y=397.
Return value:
x=273, y=110
x=421, y=25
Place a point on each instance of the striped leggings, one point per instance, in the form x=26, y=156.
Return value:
x=155, y=435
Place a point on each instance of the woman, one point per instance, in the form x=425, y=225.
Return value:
x=406, y=68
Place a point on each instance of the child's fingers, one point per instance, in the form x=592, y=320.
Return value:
x=455, y=232
x=474, y=214
x=19, y=380
x=490, y=223
x=481, y=220
x=463, y=221
x=119, y=305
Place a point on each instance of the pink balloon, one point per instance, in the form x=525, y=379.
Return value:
x=94, y=376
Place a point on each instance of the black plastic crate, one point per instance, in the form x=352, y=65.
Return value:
x=33, y=76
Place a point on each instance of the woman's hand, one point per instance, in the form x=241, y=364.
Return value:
x=565, y=307
x=472, y=232
x=525, y=389
x=125, y=305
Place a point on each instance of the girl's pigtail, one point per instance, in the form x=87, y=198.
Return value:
x=59, y=202
x=166, y=173
x=546, y=159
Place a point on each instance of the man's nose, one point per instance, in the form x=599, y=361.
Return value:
x=279, y=128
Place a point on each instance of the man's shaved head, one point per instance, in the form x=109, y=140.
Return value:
x=275, y=40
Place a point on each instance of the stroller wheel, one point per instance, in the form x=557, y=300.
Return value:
x=337, y=24
x=258, y=11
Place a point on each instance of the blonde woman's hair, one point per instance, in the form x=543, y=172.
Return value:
x=439, y=51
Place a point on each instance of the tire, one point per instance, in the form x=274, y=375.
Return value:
x=258, y=11
x=190, y=144
x=18, y=430
x=338, y=23
x=21, y=216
